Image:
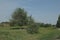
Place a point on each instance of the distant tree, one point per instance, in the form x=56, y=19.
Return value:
x=42, y=24
x=54, y=25
x=58, y=22
x=47, y=25
x=39, y=24
x=19, y=17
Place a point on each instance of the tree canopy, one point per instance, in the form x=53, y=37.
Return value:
x=58, y=22
x=19, y=17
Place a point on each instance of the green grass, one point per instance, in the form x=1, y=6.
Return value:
x=49, y=34
x=44, y=34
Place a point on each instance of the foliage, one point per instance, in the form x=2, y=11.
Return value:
x=42, y=24
x=44, y=34
x=30, y=20
x=48, y=25
x=33, y=28
x=19, y=17
x=58, y=22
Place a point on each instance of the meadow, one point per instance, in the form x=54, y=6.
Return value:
x=6, y=33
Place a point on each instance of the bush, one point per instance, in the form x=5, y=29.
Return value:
x=32, y=29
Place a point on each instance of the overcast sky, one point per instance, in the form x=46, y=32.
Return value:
x=45, y=11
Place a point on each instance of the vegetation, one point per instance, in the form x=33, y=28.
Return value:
x=44, y=34
x=58, y=22
x=19, y=17
x=23, y=27
x=33, y=29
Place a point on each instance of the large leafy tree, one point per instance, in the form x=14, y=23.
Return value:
x=58, y=22
x=19, y=17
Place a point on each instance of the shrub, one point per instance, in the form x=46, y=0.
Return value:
x=32, y=29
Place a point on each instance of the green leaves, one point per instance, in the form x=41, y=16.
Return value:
x=32, y=29
x=19, y=17
x=58, y=22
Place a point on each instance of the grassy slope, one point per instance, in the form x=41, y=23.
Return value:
x=44, y=34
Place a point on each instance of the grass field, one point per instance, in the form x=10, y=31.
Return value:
x=44, y=34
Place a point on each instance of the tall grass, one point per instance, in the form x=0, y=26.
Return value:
x=44, y=34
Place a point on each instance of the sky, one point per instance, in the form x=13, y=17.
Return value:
x=44, y=11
